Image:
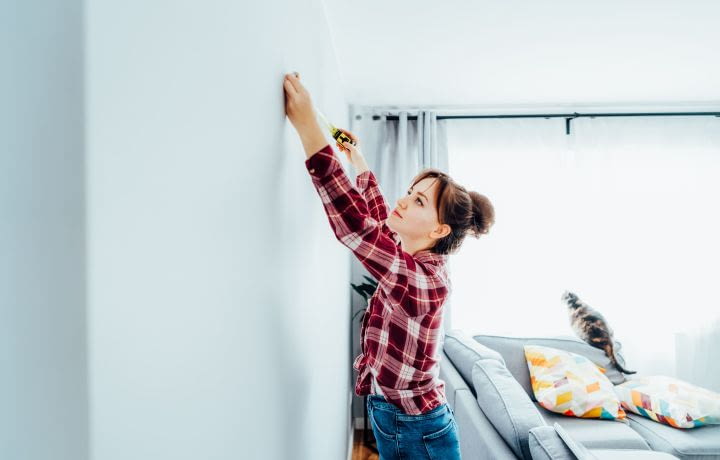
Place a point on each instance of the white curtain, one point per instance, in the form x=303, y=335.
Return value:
x=396, y=150
x=623, y=212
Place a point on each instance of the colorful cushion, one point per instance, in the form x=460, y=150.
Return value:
x=670, y=401
x=570, y=384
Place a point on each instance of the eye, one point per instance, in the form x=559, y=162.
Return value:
x=418, y=200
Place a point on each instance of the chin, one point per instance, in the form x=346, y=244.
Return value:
x=390, y=225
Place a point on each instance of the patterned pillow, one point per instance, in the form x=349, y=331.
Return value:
x=571, y=384
x=670, y=401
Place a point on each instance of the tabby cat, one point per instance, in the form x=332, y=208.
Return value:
x=591, y=326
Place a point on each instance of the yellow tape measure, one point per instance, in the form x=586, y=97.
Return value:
x=338, y=135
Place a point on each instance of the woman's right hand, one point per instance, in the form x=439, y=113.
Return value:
x=352, y=151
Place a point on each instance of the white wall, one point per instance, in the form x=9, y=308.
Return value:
x=43, y=381
x=217, y=297
x=219, y=300
x=524, y=53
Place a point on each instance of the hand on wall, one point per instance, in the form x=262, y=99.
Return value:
x=298, y=104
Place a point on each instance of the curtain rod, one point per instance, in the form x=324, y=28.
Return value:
x=569, y=117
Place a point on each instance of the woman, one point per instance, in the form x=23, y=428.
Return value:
x=406, y=251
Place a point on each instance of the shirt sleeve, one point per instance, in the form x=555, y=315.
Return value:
x=368, y=185
x=410, y=285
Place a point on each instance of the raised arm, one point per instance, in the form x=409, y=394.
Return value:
x=367, y=183
x=370, y=189
x=410, y=285
x=299, y=110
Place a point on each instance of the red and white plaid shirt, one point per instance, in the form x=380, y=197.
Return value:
x=402, y=326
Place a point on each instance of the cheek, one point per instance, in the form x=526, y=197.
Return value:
x=426, y=217
x=420, y=219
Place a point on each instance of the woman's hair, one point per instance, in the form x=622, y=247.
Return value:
x=465, y=212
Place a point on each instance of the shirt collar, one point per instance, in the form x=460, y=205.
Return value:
x=426, y=255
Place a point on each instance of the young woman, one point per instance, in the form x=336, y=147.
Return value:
x=406, y=252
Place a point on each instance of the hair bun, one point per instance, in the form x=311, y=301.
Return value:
x=483, y=214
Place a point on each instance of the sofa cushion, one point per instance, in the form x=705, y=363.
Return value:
x=506, y=404
x=511, y=349
x=597, y=433
x=699, y=443
x=463, y=351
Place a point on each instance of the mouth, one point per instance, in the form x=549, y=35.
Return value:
x=397, y=214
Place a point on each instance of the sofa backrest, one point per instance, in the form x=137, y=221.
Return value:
x=511, y=349
x=463, y=351
x=452, y=379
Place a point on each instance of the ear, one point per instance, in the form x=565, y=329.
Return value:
x=442, y=231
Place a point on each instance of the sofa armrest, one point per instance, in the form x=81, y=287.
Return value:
x=478, y=438
x=555, y=443
x=546, y=444
x=453, y=380
x=630, y=454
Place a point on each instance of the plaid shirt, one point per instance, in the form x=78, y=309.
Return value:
x=402, y=326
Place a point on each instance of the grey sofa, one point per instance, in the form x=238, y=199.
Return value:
x=487, y=384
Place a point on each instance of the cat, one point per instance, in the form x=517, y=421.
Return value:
x=592, y=327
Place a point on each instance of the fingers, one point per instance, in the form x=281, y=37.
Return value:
x=349, y=147
x=290, y=83
x=350, y=135
x=289, y=87
x=294, y=79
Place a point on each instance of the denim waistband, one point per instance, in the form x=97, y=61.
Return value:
x=386, y=405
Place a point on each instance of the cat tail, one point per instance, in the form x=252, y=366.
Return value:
x=610, y=352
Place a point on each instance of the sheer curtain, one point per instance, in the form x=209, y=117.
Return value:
x=623, y=212
x=396, y=150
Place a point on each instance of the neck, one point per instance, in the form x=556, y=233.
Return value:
x=413, y=247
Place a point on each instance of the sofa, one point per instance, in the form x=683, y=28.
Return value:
x=487, y=385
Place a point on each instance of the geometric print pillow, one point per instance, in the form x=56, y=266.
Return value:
x=670, y=401
x=571, y=384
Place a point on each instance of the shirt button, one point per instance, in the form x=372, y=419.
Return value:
x=312, y=170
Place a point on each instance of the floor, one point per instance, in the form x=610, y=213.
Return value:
x=360, y=450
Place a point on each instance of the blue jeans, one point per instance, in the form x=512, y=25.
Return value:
x=432, y=435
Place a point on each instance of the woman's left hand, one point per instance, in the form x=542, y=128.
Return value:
x=298, y=104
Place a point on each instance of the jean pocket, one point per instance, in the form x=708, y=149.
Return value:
x=383, y=423
x=443, y=444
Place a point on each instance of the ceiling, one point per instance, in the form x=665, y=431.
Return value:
x=456, y=53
